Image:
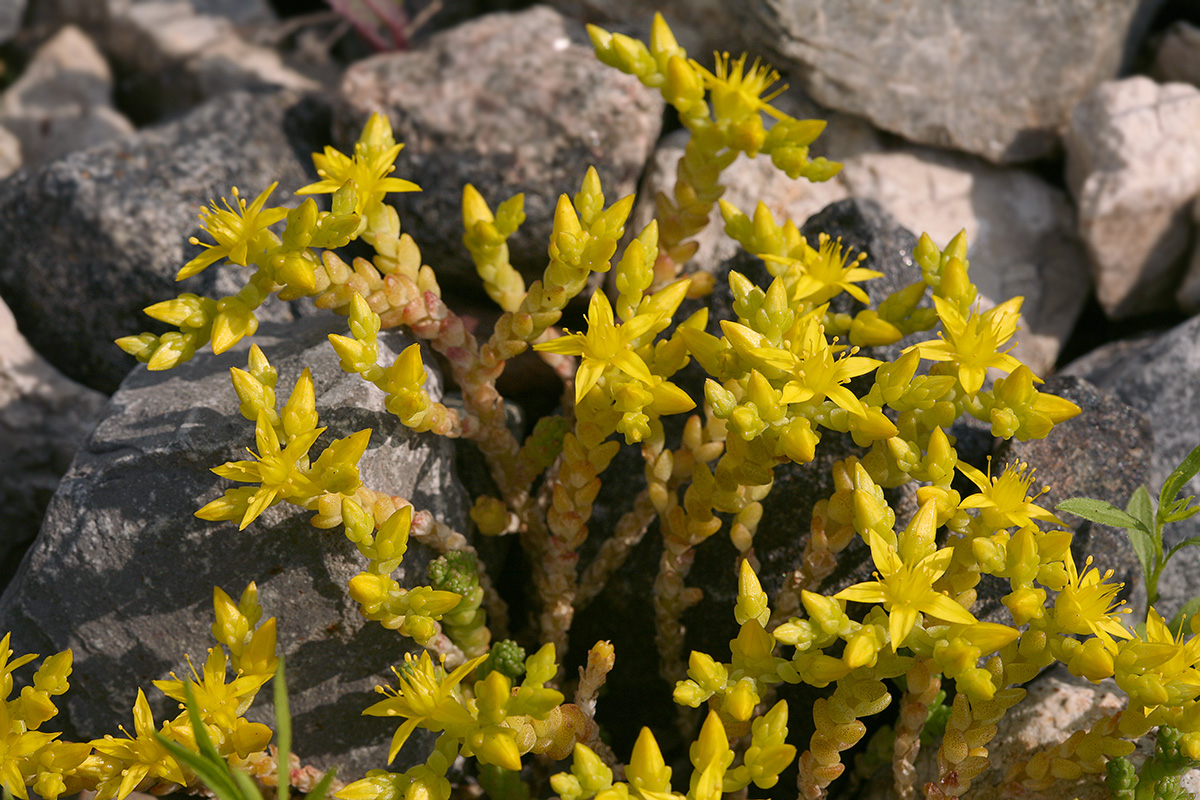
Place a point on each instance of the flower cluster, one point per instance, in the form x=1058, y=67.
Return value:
x=793, y=365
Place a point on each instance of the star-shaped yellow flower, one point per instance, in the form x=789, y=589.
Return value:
x=819, y=275
x=737, y=93
x=1005, y=501
x=605, y=344
x=369, y=168
x=234, y=229
x=1087, y=604
x=904, y=585
x=426, y=697
x=974, y=342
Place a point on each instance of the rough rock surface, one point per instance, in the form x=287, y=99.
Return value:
x=11, y=12
x=62, y=101
x=1178, y=56
x=10, y=153
x=93, y=238
x=1119, y=444
x=700, y=26
x=510, y=103
x=996, y=80
x=1133, y=167
x=123, y=573
x=1161, y=379
x=1020, y=230
x=174, y=59
x=43, y=418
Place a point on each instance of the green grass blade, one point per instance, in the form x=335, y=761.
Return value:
x=283, y=731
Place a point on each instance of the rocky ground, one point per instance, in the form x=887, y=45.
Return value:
x=1064, y=138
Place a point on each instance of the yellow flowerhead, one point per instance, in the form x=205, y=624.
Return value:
x=906, y=589
x=1005, y=501
x=605, y=344
x=736, y=93
x=1086, y=604
x=973, y=343
x=426, y=697
x=374, y=154
x=234, y=229
x=817, y=276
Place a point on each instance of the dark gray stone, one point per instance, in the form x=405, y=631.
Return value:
x=509, y=103
x=997, y=80
x=1104, y=453
x=92, y=239
x=1161, y=379
x=123, y=573
x=43, y=419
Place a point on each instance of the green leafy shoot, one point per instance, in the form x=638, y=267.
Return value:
x=1144, y=525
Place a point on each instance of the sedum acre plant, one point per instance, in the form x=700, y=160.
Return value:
x=781, y=375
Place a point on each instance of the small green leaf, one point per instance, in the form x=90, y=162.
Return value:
x=1145, y=548
x=1186, y=613
x=1140, y=508
x=1186, y=470
x=215, y=776
x=1102, y=512
x=246, y=784
x=1184, y=510
x=1181, y=545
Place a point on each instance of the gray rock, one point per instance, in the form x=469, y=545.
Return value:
x=1020, y=230
x=998, y=81
x=11, y=12
x=43, y=418
x=1133, y=165
x=63, y=100
x=123, y=573
x=1178, y=56
x=700, y=26
x=10, y=153
x=510, y=103
x=1161, y=379
x=98, y=15
x=1104, y=453
x=174, y=58
x=94, y=238
x=1189, y=290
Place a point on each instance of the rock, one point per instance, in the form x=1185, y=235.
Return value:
x=998, y=83
x=174, y=58
x=511, y=103
x=1189, y=290
x=1020, y=230
x=43, y=418
x=700, y=26
x=11, y=12
x=62, y=102
x=1178, y=56
x=1133, y=165
x=94, y=238
x=10, y=153
x=123, y=573
x=1104, y=453
x=98, y=15
x=1160, y=379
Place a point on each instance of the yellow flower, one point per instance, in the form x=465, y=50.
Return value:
x=374, y=154
x=973, y=343
x=817, y=374
x=234, y=229
x=736, y=93
x=1005, y=501
x=819, y=275
x=281, y=472
x=1086, y=604
x=605, y=344
x=906, y=589
x=427, y=698
x=220, y=703
x=136, y=757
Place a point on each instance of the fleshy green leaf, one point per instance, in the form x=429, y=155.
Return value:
x=1186, y=470
x=283, y=731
